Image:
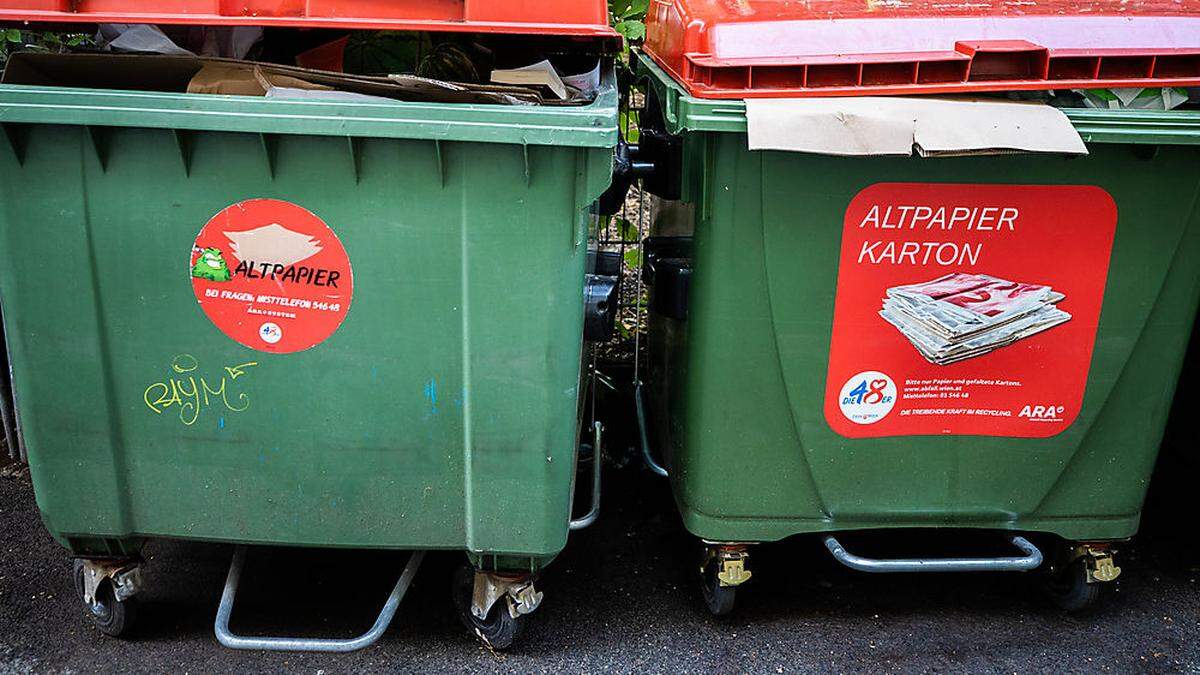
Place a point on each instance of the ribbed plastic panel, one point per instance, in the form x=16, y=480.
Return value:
x=764, y=48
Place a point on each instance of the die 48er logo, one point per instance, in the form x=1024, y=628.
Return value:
x=867, y=397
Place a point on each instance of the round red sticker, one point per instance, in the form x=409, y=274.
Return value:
x=271, y=275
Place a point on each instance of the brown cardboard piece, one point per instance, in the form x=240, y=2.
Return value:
x=881, y=125
x=222, y=78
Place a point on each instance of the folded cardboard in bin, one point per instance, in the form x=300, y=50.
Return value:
x=201, y=75
x=875, y=125
x=235, y=80
x=540, y=75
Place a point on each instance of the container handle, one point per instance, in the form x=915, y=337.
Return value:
x=594, y=512
x=298, y=644
x=1029, y=561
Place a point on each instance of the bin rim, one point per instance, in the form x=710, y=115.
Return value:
x=569, y=18
x=593, y=125
x=683, y=112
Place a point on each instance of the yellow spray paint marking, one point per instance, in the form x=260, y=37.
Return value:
x=192, y=392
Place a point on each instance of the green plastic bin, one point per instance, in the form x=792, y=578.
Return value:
x=755, y=394
x=414, y=384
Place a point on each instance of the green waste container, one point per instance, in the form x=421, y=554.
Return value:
x=299, y=322
x=783, y=401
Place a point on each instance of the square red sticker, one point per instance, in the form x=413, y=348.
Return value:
x=967, y=309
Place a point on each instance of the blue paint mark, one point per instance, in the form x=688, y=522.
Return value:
x=374, y=373
x=431, y=395
x=220, y=422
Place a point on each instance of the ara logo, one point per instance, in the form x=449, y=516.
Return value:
x=1042, y=413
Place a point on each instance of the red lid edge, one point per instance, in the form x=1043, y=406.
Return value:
x=1153, y=51
x=580, y=30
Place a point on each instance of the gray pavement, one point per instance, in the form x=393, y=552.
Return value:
x=620, y=599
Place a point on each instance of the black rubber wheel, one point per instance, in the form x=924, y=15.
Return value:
x=499, y=629
x=1069, y=588
x=719, y=599
x=113, y=617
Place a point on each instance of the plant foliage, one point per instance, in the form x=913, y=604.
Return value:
x=13, y=40
x=629, y=18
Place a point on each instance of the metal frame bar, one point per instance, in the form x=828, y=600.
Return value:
x=1031, y=560
x=641, y=419
x=233, y=641
x=594, y=512
x=8, y=399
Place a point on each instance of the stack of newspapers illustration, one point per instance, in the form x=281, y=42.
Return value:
x=961, y=316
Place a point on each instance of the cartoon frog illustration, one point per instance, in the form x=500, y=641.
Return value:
x=211, y=265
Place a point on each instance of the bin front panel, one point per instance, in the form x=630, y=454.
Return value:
x=752, y=394
x=440, y=414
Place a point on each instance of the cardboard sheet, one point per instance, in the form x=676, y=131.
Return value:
x=884, y=125
x=200, y=75
x=234, y=79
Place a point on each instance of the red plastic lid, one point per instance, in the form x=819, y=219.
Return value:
x=776, y=48
x=587, y=18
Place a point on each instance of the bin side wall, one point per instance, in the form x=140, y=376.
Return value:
x=441, y=414
x=750, y=395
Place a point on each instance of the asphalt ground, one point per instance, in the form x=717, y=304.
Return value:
x=622, y=598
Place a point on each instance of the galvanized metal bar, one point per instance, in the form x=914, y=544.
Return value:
x=7, y=412
x=594, y=512
x=641, y=420
x=8, y=399
x=229, y=639
x=1031, y=560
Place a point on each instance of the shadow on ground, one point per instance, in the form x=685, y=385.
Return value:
x=621, y=598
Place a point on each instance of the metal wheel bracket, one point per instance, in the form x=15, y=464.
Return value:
x=518, y=592
x=1099, y=561
x=731, y=564
x=126, y=578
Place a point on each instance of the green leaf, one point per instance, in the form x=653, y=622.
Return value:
x=633, y=258
x=631, y=29
x=12, y=35
x=626, y=229
x=636, y=9
x=628, y=123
